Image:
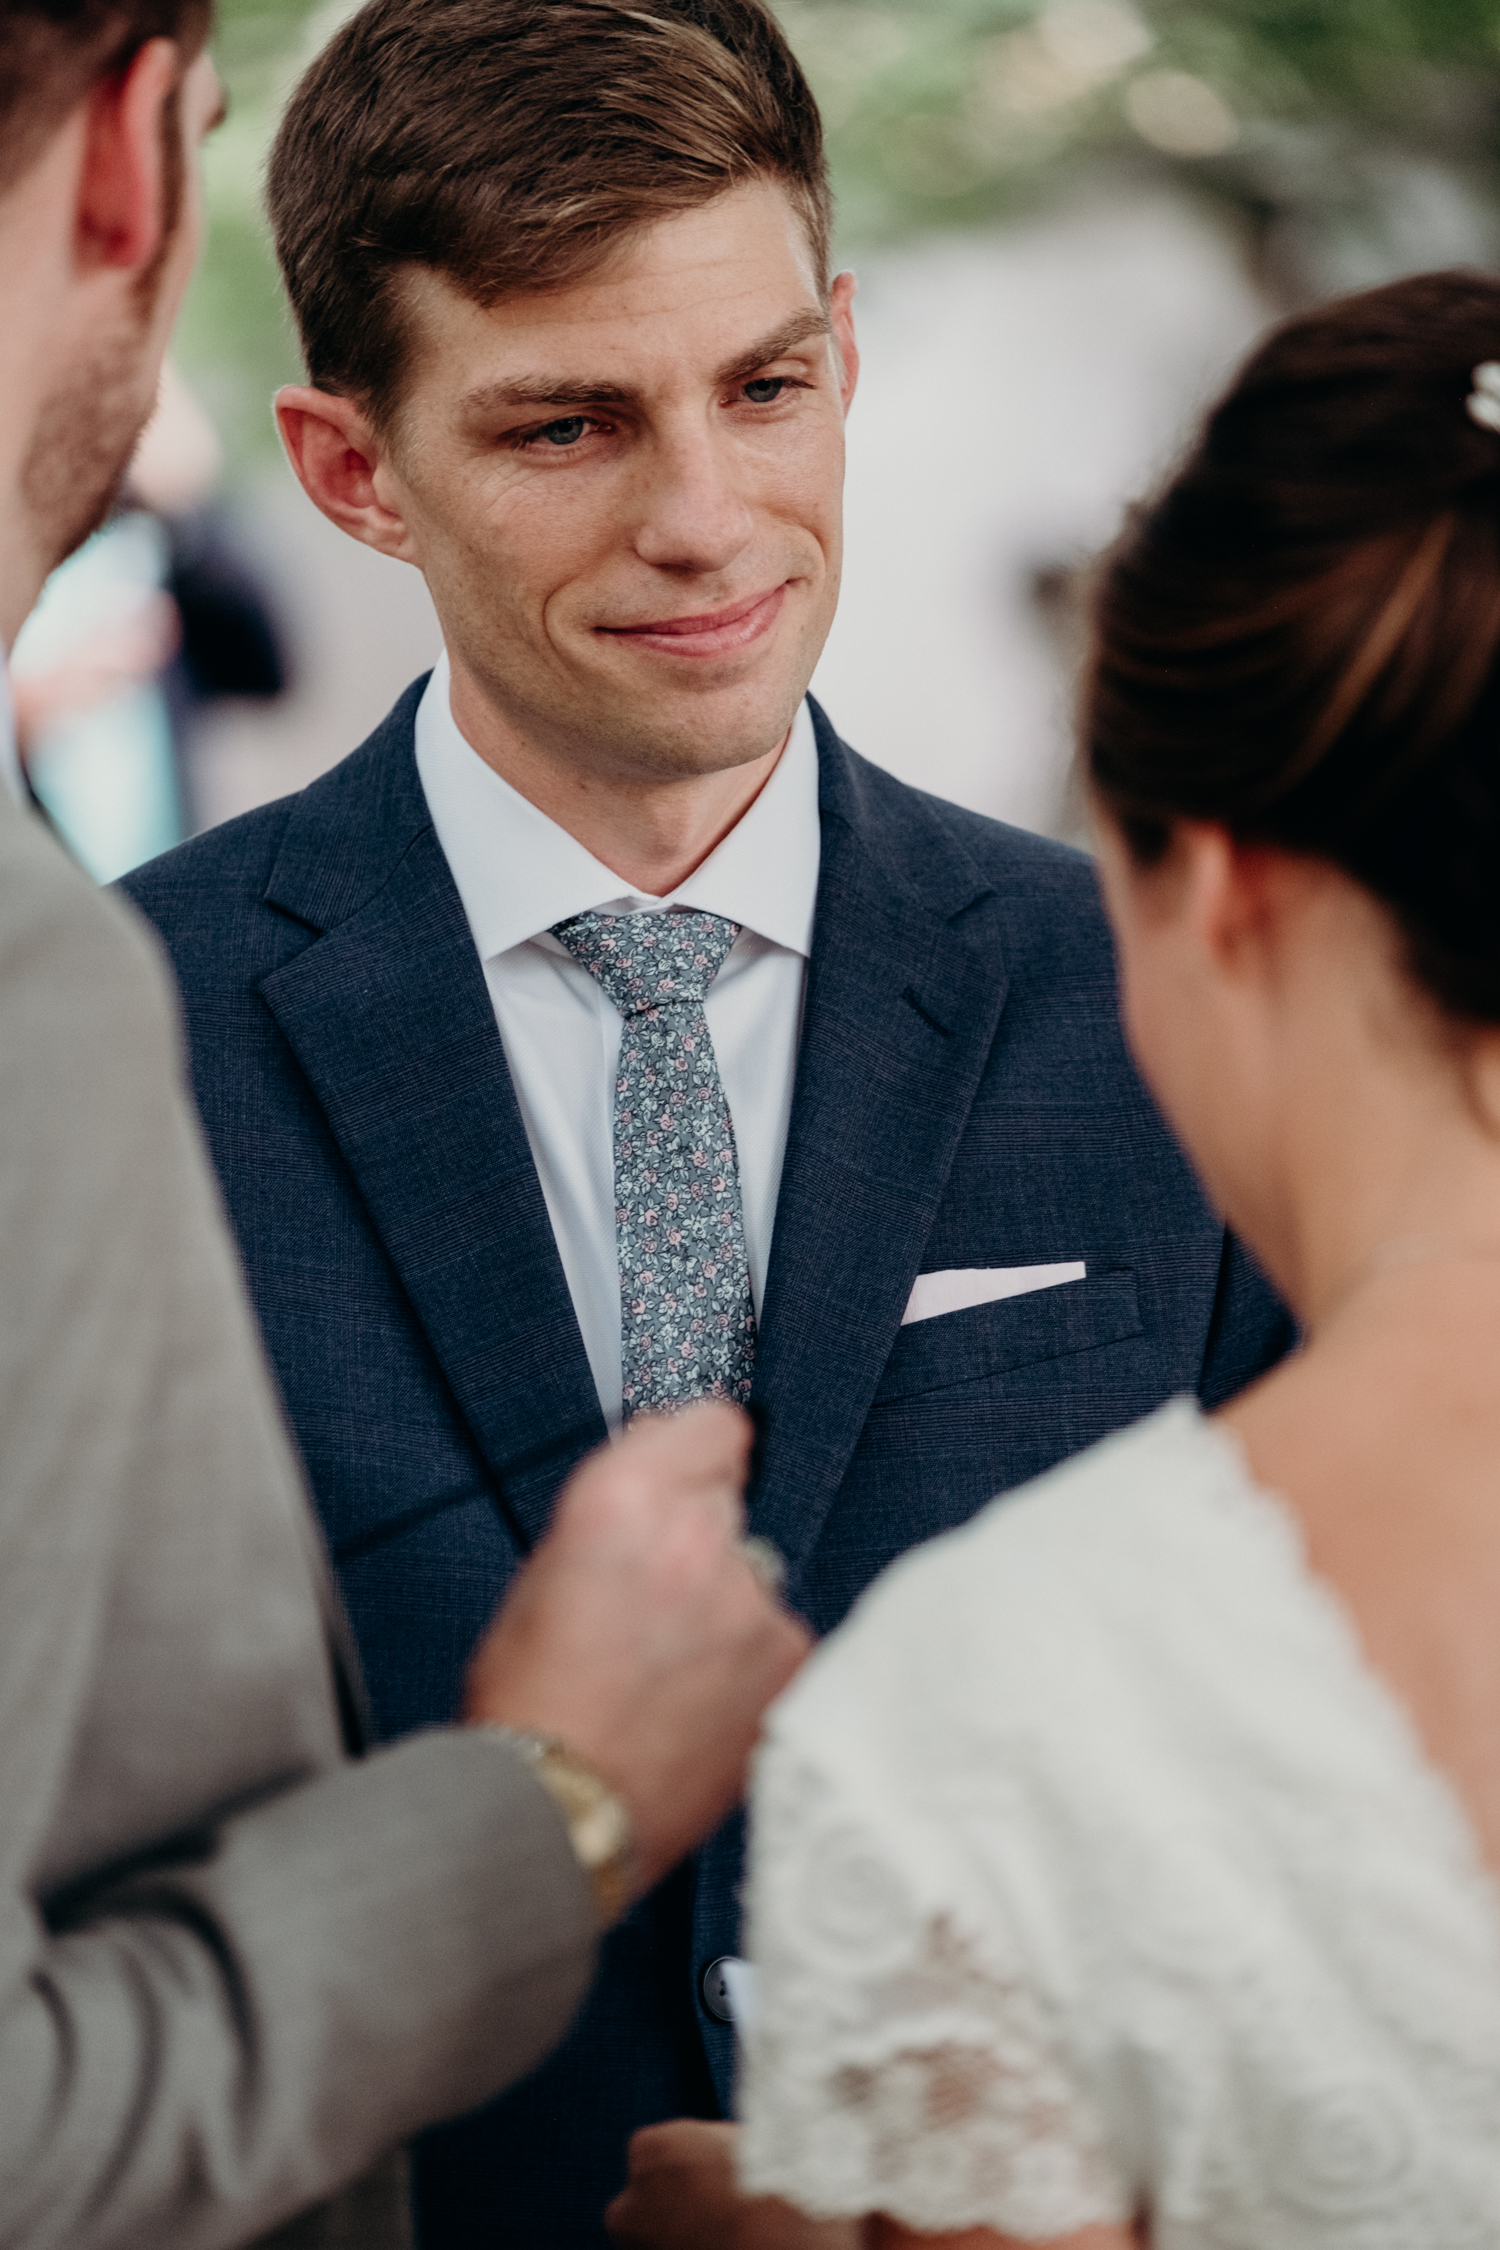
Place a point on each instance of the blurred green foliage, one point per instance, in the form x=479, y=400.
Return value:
x=955, y=109
x=236, y=340
x=954, y=112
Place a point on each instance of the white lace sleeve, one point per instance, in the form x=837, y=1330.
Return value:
x=902, y=2059
x=1094, y=1868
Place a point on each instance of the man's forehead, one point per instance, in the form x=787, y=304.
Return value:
x=718, y=289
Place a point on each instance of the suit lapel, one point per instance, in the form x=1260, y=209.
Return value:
x=904, y=993
x=389, y=1015
x=390, y=1018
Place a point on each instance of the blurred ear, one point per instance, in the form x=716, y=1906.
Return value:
x=1199, y=880
x=1241, y=901
x=841, y=306
x=122, y=187
x=338, y=460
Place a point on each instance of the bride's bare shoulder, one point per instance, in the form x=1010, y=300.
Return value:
x=1382, y=1454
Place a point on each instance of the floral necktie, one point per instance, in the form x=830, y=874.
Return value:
x=687, y=1320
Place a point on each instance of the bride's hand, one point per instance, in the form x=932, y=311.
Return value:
x=683, y=2195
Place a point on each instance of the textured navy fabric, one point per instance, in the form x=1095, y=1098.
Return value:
x=963, y=1098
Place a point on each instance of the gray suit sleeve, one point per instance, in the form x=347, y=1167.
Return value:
x=234, y=1968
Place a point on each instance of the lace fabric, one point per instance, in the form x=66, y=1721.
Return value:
x=1093, y=1872
x=933, y=2085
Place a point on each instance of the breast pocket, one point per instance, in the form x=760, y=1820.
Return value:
x=964, y=1347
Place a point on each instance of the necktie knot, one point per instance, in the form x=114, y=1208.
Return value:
x=646, y=962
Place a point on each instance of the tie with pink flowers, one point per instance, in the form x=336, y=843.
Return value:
x=687, y=1320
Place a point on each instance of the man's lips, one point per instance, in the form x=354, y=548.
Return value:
x=713, y=632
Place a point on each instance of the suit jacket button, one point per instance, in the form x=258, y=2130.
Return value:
x=715, y=1990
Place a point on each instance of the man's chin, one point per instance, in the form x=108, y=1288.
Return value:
x=699, y=728
x=733, y=708
x=81, y=447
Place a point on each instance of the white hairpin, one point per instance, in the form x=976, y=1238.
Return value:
x=1484, y=399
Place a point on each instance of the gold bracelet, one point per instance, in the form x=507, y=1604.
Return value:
x=598, y=1825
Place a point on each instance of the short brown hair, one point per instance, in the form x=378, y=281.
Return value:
x=513, y=145
x=53, y=51
x=1301, y=639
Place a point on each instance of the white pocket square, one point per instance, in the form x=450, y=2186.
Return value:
x=963, y=1286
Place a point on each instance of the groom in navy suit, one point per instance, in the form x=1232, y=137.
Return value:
x=604, y=1030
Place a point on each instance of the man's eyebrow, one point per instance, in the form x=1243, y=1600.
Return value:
x=544, y=390
x=584, y=390
x=812, y=321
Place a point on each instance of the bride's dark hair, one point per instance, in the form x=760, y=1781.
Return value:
x=1301, y=638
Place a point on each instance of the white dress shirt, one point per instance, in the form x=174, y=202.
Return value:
x=518, y=873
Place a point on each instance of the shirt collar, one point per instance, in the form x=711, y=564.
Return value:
x=517, y=872
x=10, y=761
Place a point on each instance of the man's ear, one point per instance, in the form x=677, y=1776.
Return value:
x=841, y=306
x=337, y=458
x=122, y=187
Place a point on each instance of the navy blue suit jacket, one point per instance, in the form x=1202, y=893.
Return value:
x=963, y=1098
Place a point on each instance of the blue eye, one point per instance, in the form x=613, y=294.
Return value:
x=765, y=389
x=567, y=432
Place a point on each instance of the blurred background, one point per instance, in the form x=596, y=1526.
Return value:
x=1069, y=220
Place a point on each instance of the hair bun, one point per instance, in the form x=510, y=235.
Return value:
x=1300, y=639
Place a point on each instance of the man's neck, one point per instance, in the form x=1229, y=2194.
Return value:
x=651, y=833
x=23, y=568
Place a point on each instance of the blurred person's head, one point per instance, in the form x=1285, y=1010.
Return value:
x=561, y=273
x=102, y=106
x=1293, y=732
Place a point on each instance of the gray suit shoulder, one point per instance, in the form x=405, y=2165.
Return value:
x=59, y=932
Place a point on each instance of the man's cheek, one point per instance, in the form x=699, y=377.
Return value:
x=804, y=485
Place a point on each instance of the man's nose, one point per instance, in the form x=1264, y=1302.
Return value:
x=693, y=513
